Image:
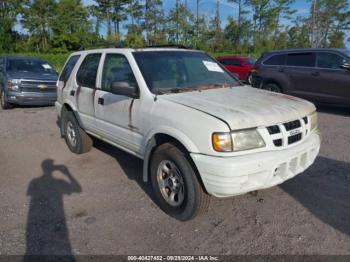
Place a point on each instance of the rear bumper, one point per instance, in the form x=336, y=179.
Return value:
x=31, y=98
x=229, y=176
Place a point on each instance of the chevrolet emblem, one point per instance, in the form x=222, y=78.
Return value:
x=42, y=87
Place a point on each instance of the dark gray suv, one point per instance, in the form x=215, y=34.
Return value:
x=319, y=75
x=26, y=81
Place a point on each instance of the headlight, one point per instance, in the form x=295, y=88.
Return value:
x=237, y=140
x=247, y=139
x=313, y=120
x=13, y=84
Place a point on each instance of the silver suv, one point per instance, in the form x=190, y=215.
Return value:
x=197, y=129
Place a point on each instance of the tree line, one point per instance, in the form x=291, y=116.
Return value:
x=254, y=26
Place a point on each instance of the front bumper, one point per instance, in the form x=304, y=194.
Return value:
x=33, y=99
x=230, y=176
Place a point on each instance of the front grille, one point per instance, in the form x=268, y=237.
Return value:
x=306, y=121
x=38, y=86
x=273, y=130
x=292, y=125
x=294, y=139
x=277, y=142
x=288, y=133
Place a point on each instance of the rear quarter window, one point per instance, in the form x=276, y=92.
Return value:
x=276, y=60
x=67, y=70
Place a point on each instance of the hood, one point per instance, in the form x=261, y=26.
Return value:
x=244, y=107
x=32, y=76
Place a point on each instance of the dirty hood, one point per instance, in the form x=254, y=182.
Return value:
x=244, y=107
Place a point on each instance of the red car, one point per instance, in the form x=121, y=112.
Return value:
x=240, y=65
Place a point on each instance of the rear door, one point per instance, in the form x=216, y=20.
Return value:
x=334, y=81
x=303, y=79
x=86, y=88
x=65, y=79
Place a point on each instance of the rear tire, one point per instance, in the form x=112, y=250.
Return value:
x=272, y=87
x=4, y=104
x=250, y=79
x=76, y=138
x=175, y=184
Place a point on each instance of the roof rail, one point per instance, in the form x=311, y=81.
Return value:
x=165, y=46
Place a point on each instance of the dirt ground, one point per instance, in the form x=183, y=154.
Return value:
x=55, y=202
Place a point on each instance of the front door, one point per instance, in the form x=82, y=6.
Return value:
x=300, y=70
x=117, y=115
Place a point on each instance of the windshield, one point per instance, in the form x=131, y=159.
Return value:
x=29, y=65
x=178, y=71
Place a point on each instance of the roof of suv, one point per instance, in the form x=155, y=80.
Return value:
x=305, y=50
x=141, y=49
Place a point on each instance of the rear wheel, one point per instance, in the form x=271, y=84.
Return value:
x=250, y=78
x=175, y=184
x=76, y=138
x=3, y=102
x=272, y=87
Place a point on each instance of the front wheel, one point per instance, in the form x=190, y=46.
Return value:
x=175, y=184
x=3, y=102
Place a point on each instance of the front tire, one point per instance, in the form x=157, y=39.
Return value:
x=175, y=184
x=77, y=139
x=3, y=102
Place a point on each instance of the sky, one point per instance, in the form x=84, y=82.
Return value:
x=207, y=7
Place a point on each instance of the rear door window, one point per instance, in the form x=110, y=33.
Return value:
x=301, y=59
x=234, y=62
x=276, y=60
x=67, y=70
x=330, y=60
x=87, y=72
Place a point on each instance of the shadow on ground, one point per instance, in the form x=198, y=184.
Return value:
x=324, y=189
x=46, y=231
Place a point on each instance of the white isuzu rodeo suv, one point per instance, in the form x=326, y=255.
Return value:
x=198, y=130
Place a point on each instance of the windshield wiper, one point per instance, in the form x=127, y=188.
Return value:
x=191, y=88
x=208, y=86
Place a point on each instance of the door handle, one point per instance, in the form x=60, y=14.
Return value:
x=101, y=101
x=315, y=73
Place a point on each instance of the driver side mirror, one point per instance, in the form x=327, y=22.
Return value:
x=346, y=66
x=125, y=89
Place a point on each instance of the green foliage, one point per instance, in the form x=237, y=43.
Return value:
x=61, y=26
